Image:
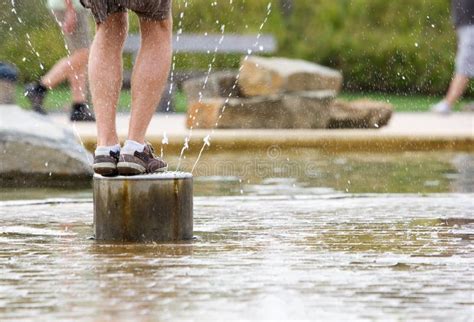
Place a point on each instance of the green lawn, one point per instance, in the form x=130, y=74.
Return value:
x=59, y=99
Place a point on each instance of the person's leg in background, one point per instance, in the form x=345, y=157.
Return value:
x=456, y=89
x=105, y=79
x=464, y=71
x=72, y=68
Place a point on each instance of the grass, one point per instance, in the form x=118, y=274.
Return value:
x=59, y=100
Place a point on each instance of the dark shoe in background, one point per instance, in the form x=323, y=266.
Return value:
x=81, y=113
x=106, y=165
x=40, y=110
x=141, y=162
x=36, y=93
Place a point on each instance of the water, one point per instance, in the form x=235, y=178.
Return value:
x=206, y=141
x=270, y=244
x=274, y=257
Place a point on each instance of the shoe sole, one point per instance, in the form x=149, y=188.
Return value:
x=105, y=169
x=130, y=169
x=133, y=169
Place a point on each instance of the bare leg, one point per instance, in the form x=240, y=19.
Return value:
x=105, y=75
x=72, y=68
x=456, y=89
x=149, y=75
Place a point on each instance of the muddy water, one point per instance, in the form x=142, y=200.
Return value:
x=268, y=246
x=274, y=257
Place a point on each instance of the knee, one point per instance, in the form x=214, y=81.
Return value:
x=115, y=29
x=156, y=29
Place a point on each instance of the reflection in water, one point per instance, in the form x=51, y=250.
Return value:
x=254, y=257
x=297, y=171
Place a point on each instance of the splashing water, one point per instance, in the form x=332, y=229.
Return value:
x=207, y=142
x=28, y=37
x=206, y=80
x=68, y=50
x=76, y=76
x=234, y=86
x=172, y=73
x=164, y=142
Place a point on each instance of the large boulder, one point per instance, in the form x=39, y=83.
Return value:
x=266, y=76
x=34, y=151
x=220, y=84
x=309, y=110
x=359, y=114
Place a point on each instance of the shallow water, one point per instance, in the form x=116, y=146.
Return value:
x=268, y=246
x=272, y=257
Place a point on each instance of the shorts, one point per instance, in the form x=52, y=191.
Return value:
x=465, y=55
x=80, y=38
x=152, y=9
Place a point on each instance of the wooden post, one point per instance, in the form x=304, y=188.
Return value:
x=146, y=208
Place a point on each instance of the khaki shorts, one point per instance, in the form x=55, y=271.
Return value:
x=80, y=38
x=151, y=9
x=465, y=56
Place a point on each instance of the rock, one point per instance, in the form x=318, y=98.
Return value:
x=469, y=108
x=34, y=151
x=8, y=79
x=360, y=114
x=267, y=76
x=219, y=84
x=305, y=110
x=309, y=110
x=7, y=92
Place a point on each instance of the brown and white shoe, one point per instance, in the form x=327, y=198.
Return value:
x=141, y=162
x=106, y=165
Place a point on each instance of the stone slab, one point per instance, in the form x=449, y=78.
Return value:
x=290, y=111
x=414, y=131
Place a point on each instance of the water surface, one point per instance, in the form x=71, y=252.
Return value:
x=360, y=237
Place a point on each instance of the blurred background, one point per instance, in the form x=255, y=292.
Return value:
x=401, y=51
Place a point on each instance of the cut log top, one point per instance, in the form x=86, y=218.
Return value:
x=170, y=175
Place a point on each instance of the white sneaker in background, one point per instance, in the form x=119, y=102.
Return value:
x=441, y=108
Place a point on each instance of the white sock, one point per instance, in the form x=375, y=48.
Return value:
x=105, y=150
x=130, y=147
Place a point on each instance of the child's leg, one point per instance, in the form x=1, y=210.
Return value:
x=105, y=75
x=150, y=74
x=68, y=68
x=456, y=89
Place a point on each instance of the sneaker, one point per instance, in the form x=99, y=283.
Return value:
x=141, y=162
x=36, y=93
x=106, y=165
x=40, y=110
x=441, y=108
x=81, y=113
